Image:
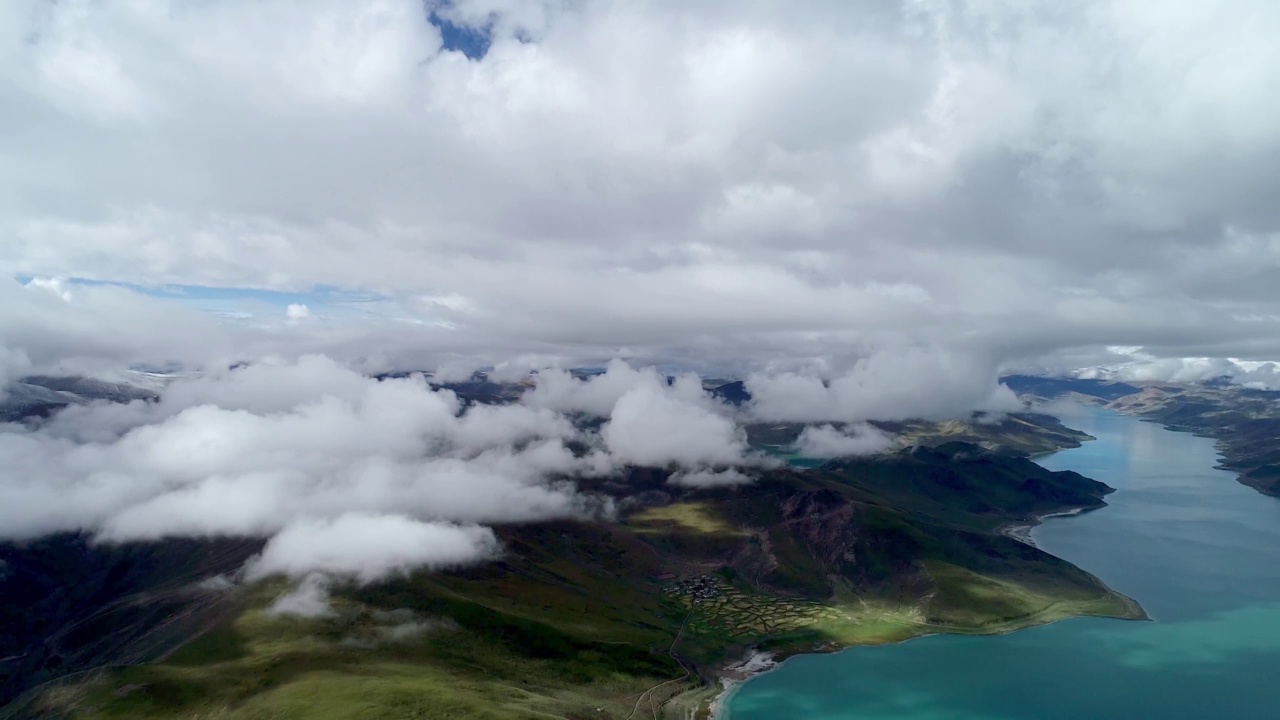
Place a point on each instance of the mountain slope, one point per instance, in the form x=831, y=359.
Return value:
x=584, y=619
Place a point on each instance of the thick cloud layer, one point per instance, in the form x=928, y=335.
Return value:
x=720, y=185
x=594, y=395
x=347, y=475
x=866, y=209
x=300, y=453
x=888, y=385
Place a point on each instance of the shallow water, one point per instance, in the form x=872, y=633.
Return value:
x=1200, y=551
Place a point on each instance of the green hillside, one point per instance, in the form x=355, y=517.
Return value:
x=608, y=619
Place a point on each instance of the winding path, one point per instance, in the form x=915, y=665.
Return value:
x=671, y=652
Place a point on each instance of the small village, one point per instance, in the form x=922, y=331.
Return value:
x=699, y=589
x=718, y=606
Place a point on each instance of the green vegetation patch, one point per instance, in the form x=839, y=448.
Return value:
x=372, y=664
x=694, y=517
x=716, y=606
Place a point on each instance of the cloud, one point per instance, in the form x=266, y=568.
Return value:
x=710, y=478
x=1145, y=368
x=348, y=475
x=976, y=177
x=13, y=364
x=653, y=425
x=88, y=328
x=408, y=631
x=596, y=395
x=653, y=420
x=285, y=450
x=889, y=384
x=309, y=599
x=370, y=547
x=868, y=210
x=826, y=441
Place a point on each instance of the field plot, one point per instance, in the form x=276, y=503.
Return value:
x=717, y=606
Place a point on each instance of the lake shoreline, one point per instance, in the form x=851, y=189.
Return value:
x=758, y=662
x=1182, y=535
x=1021, y=531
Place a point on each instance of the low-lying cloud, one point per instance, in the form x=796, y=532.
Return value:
x=308, y=599
x=827, y=441
x=654, y=425
x=344, y=473
x=1257, y=375
x=368, y=547
x=710, y=478
x=359, y=478
x=929, y=383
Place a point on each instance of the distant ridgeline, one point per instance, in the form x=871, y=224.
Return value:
x=40, y=396
x=1245, y=421
x=1047, y=387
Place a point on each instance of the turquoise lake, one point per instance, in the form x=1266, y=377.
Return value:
x=1200, y=551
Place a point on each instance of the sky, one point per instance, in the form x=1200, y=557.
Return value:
x=868, y=210
x=730, y=186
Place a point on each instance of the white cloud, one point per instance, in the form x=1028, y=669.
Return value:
x=57, y=286
x=653, y=425
x=13, y=364
x=370, y=547
x=1255, y=374
x=88, y=328
x=710, y=478
x=596, y=395
x=309, y=599
x=826, y=441
x=653, y=420
x=975, y=175
x=889, y=384
x=281, y=450
x=869, y=209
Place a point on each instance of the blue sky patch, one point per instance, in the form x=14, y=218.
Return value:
x=470, y=41
x=246, y=303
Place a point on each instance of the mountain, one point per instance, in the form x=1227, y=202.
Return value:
x=576, y=619
x=39, y=396
x=1245, y=421
x=21, y=401
x=1052, y=387
x=579, y=619
x=1018, y=434
x=71, y=605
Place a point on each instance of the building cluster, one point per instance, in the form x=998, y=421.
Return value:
x=700, y=589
